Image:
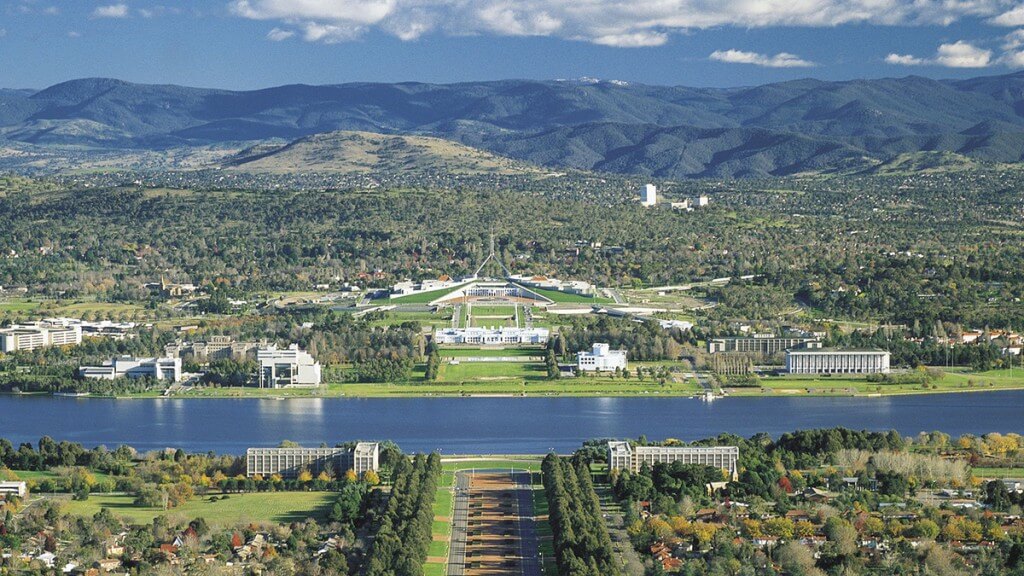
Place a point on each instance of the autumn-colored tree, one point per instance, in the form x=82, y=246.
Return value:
x=305, y=476
x=371, y=477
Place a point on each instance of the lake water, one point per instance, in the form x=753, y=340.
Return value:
x=482, y=425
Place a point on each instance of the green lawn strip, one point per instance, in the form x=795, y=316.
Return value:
x=564, y=297
x=545, y=544
x=951, y=381
x=276, y=507
x=40, y=475
x=446, y=352
x=433, y=569
x=441, y=528
x=526, y=463
x=1014, y=473
x=420, y=297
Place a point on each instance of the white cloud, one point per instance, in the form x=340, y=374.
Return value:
x=1013, y=40
x=959, y=54
x=3, y=32
x=1013, y=59
x=111, y=11
x=962, y=54
x=905, y=60
x=278, y=34
x=74, y=34
x=607, y=22
x=51, y=11
x=780, y=60
x=1014, y=17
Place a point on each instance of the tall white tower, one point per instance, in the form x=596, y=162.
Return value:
x=649, y=195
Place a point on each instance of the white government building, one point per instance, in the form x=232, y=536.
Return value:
x=281, y=368
x=837, y=361
x=649, y=195
x=130, y=367
x=601, y=358
x=625, y=456
x=501, y=335
x=25, y=337
x=290, y=462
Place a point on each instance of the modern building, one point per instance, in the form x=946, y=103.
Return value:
x=625, y=456
x=129, y=367
x=766, y=345
x=491, y=336
x=216, y=348
x=601, y=358
x=837, y=361
x=649, y=195
x=8, y=489
x=541, y=282
x=27, y=337
x=290, y=462
x=290, y=367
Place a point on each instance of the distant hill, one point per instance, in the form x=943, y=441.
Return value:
x=670, y=131
x=355, y=152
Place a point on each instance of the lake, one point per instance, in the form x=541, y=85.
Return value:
x=482, y=425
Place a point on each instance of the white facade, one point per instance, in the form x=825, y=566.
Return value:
x=837, y=361
x=25, y=337
x=491, y=336
x=19, y=489
x=601, y=358
x=290, y=462
x=649, y=195
x=288, y=367
x=624, y=456
x=129, y=367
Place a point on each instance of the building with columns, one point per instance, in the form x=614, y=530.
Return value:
x=837, y=361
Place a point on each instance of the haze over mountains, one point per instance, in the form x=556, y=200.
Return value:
x=670, y=132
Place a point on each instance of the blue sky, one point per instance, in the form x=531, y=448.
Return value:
x=244, y=44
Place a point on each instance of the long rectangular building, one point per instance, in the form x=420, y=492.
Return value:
x=837, y=361
x=491, y=336
x=625, y=456
x=27, y=337
x=759, y=345
x=290, y=462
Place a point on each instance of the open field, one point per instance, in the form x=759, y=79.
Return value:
x=1014, y=473
x=277, y=507
x=421, y=297
x=957, y=381
x=487, y=371
x=37, y=476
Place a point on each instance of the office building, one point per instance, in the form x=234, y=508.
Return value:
x=649, y=195
x=216, y=348
x=837, y=361
x=129, y=367
x=625, y=456
x=8, y=489
x=601, y=358
x=766, y=345
x=290, y=367
x=290, y=462
x=27, y=337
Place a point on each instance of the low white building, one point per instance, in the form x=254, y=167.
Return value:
x=19, y=489
x=290, y=367
x=601, y=358
x=837, y=361
x=491, y=336
x=129, y=367
x=26, y=337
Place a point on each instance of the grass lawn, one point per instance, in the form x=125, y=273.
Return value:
x=562, y=297
x=276, y=507
x=483, y=371
x=18, y=306
x=952, y=381
x=422, y=297
x=998, y=472
x=566, y=387
x=40, y=475
x=432, y=569
x=524, y=463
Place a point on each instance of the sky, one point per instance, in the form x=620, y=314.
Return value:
x=247, y=44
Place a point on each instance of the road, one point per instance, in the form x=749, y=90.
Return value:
x=529, y=549
x=460, y=523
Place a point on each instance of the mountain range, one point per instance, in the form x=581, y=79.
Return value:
x=662, y=131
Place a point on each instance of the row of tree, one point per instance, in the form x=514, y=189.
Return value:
x=403, y=537
x=581, y=541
